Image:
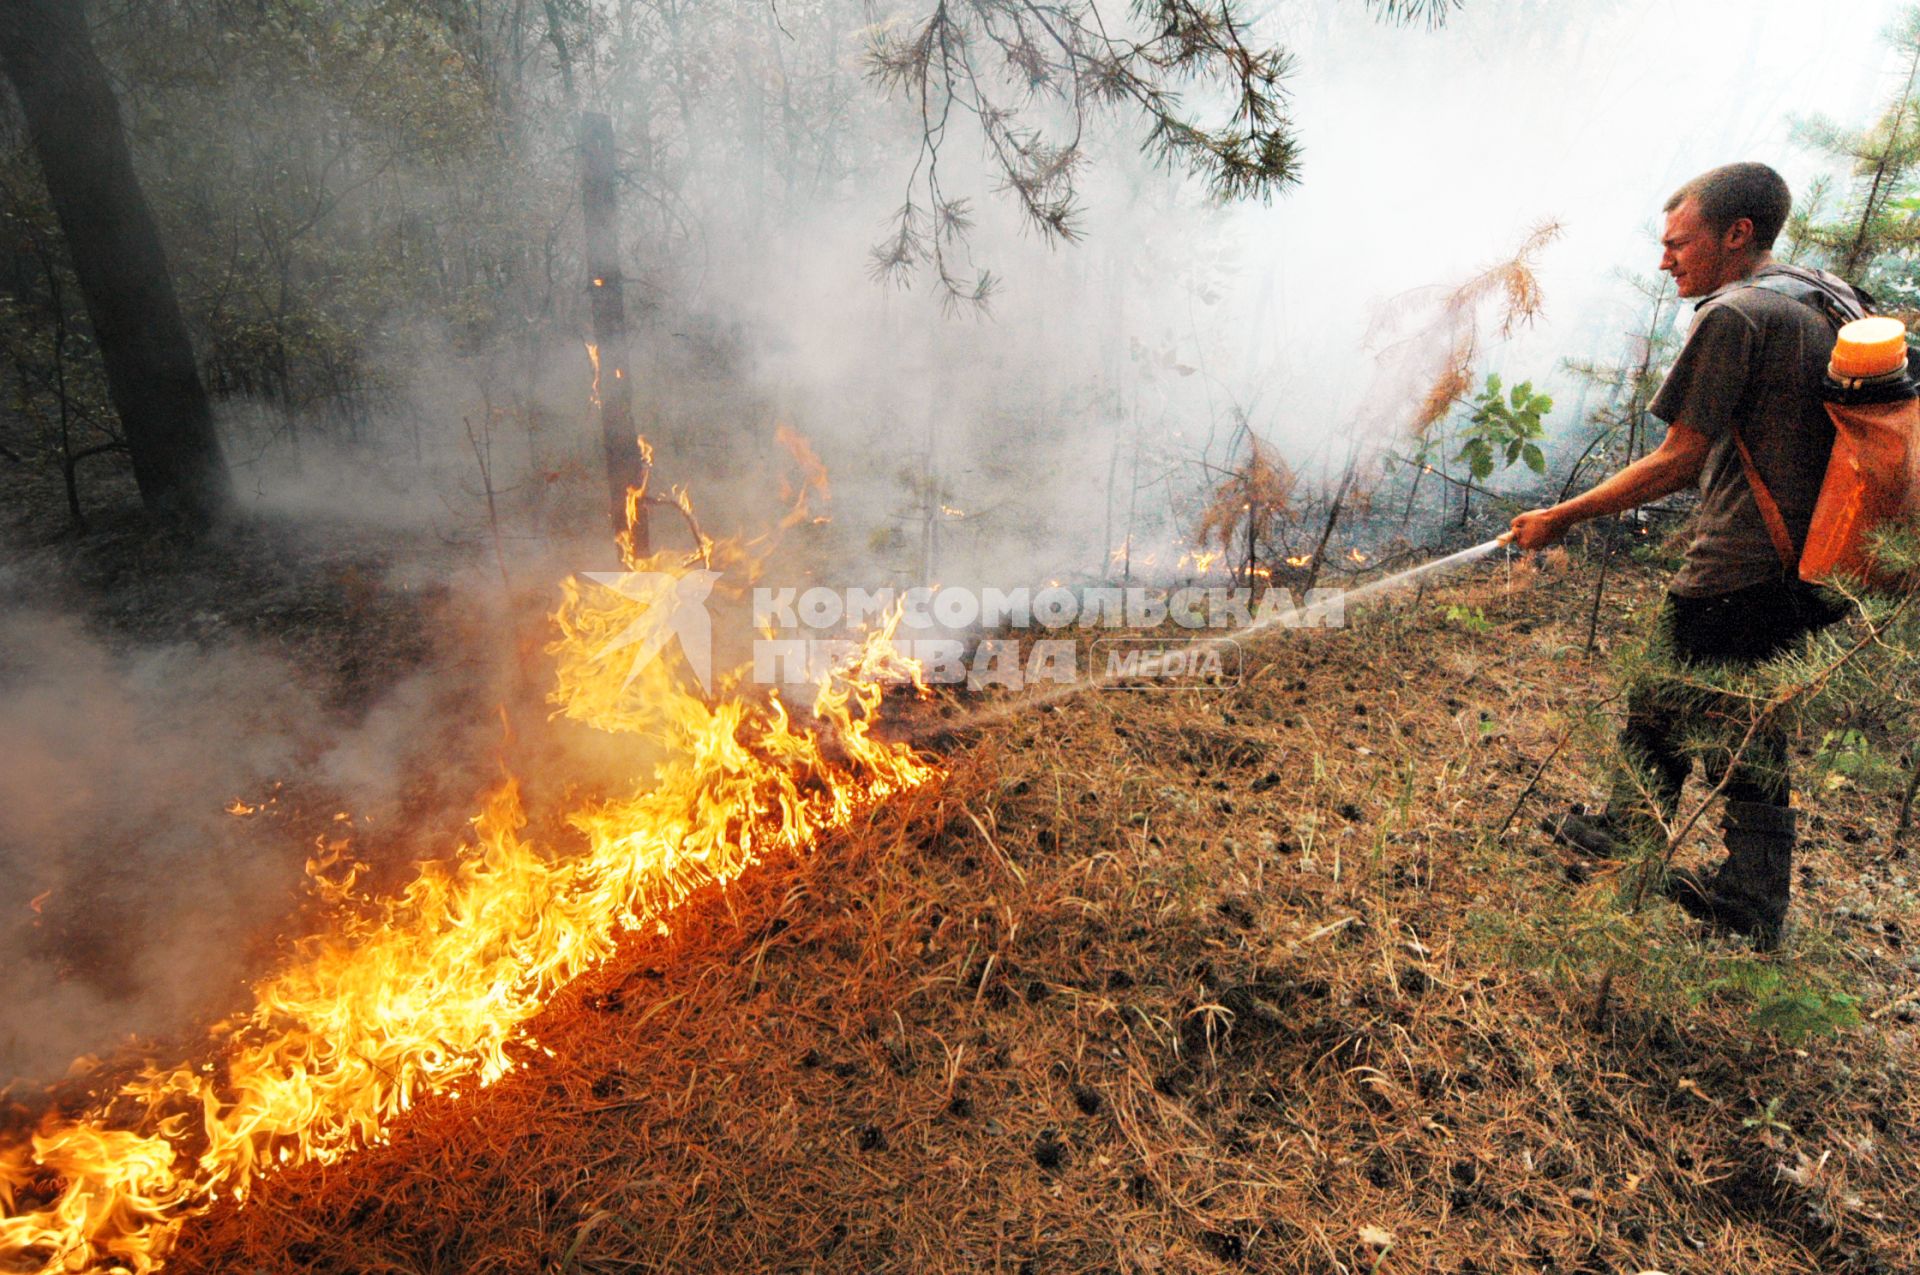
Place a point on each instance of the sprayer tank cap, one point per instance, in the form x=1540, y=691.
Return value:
x=1872, y=346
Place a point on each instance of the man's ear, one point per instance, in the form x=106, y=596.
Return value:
x=1739, y=235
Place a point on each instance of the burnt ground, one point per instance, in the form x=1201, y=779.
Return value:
x=1253, y=978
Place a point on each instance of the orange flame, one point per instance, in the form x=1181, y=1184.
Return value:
x=429, y=992
x=1201, y=560
x=813, y=476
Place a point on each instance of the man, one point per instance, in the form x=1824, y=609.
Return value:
x=1750, y=372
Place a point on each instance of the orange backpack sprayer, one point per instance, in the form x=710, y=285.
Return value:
x=1873, y=474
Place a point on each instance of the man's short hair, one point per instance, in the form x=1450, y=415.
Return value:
x=1732, y=191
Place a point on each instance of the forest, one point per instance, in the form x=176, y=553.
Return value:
x=959, y=635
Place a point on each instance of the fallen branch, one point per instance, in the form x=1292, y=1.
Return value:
x=1532, y=783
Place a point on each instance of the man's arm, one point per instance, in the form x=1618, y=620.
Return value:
x=1668, y=468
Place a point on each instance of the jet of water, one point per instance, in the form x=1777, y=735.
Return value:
x=1297, y=617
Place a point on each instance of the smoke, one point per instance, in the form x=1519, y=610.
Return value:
x=161, y=799
x=1025, y=443
x=1088, y=402
x=1434, y=152
x=132, y=895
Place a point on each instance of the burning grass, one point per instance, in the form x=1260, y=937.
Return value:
x=427, y=993
x=1166, y=982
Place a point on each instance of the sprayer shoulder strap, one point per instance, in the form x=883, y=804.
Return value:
x=1769, y=507
x=1839, y=303
x=1833, y=298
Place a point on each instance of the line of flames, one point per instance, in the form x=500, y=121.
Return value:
x=430, y=992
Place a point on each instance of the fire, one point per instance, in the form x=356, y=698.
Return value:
x=1201, y=560
x=593, y=356
x=1301, y=560
x=1356, y=556
x=240, y=807
x=812, y=481
x=429, y=992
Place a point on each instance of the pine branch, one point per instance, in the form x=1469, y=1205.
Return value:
x=1431, y=14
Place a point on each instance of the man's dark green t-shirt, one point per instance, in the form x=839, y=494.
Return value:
x=1753, y=359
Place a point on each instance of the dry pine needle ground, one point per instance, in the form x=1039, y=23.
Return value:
x=1192, y=981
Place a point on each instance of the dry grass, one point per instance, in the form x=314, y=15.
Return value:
x=1170, y=982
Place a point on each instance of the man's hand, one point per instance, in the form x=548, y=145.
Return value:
x=1536, y=529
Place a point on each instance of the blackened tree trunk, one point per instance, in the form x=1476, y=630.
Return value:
x=155, y=385
x=626, y=462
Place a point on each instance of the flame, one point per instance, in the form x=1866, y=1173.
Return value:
x=813, y=476
x=636, y=496
x=1356, y=556
x=593, y=356
x=429, y=992
x=1303, y=560
x=239, y=807
x=1200, y=560
x=951, y=512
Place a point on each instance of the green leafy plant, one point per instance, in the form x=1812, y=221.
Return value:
x=1504, y=429
x=1796, y=1005
x=1850, y=754
x=1801, y=1013
x=1472, y=619
x=1767, y=1122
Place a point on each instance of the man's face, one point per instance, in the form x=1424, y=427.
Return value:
x=1700, y=259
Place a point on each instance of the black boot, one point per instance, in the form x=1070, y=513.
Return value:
x=1607, y=835
x=1747, y=893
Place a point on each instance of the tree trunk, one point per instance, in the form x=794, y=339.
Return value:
x=1860, y=248
x=155, y=385
x=600, y=201
x=1333, y=516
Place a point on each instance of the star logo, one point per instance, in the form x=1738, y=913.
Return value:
x=676, y=608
